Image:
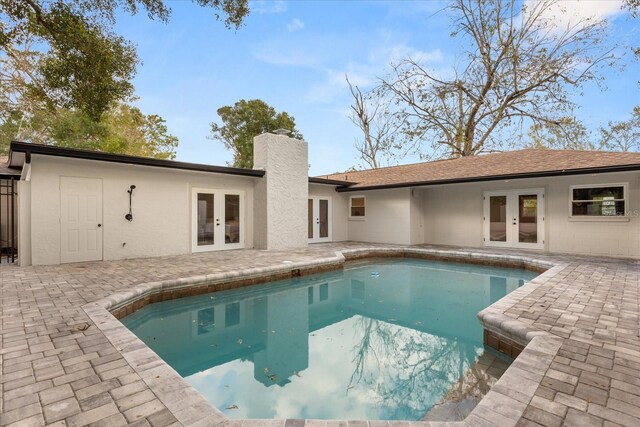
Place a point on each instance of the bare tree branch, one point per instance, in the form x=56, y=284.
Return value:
x=517, y=70
x=371, y=113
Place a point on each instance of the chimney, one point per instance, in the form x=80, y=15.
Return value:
x=280, y=197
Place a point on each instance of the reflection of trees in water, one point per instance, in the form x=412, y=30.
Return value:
x=405, y=368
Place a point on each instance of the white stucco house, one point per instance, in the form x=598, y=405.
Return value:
x=76, y=205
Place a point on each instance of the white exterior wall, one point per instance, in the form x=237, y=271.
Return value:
x=339, y=209
x=453, y=215
x=161, y=207
x=387, y=217
x=281, y=206
x=417, y=217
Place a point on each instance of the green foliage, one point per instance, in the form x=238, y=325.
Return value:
x=76, y=61
x=65, y=76
x=8, y=128
x=79, y=63
x=245, y=120
x=123, y=129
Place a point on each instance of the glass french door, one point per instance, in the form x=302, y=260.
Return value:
x=217, y=220
x=319, y=219
x=514, y=218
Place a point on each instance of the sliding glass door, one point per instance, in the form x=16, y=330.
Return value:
x=514, y=218
x=217, y=219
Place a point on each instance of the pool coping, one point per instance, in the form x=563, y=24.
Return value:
x=504, y=404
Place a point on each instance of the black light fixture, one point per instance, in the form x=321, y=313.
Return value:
x=129, y=216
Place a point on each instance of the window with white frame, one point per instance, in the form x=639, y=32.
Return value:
x=598, y=200
x=356, y=207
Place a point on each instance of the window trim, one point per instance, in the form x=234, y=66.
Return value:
x=358, y=218
x=625, y=199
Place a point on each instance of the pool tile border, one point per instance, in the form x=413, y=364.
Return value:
x=503, y=405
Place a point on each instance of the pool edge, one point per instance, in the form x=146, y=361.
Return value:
x=191, y=408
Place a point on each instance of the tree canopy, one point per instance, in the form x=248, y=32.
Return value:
x=65, y=54
x=516, y=70
x=65, y=76
x=622, y=135
x=245, y=120
x=122, y=129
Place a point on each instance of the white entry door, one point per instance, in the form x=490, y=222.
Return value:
x=319, y=219
x=217, y=220
x=514, y=218
x=80, y=219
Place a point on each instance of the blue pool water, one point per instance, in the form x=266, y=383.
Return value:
x=375, y=341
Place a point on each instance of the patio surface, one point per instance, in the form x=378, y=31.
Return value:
x=59, y=368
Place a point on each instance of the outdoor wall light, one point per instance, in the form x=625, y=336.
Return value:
x=129, y=216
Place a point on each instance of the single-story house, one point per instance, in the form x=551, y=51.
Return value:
x=76, y=205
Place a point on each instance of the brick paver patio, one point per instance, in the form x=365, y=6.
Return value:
x=58, y=367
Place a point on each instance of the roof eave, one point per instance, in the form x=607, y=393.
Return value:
x=46, y=150
x=564, y=172
x=316, y=180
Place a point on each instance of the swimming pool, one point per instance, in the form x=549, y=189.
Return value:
x=382, y=340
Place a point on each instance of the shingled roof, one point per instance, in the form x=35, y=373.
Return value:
x=508, y=165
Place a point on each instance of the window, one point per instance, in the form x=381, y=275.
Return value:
x=356, y=207
x=206, y=321
x=232, y=314
x=357, y=289
x=598, y=200
x=324, y=292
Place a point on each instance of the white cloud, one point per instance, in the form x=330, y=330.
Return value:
x=365, y=74
x=267, y=7
x=295, y=25
x=278, y=55
x=307, y=51
x=364, y=58
x=398, y=52
x=323, y=388
x=563, y=14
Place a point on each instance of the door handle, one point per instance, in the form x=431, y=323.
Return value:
x=99, y=225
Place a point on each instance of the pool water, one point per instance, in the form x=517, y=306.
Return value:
x=383, y=340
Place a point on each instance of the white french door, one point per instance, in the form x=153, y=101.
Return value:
x=319, y=219
x=217, y=220
x=80, y=219
x=514, y=218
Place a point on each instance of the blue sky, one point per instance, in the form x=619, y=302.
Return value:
x=294, y=55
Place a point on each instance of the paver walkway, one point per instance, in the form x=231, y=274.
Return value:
x=58, y=368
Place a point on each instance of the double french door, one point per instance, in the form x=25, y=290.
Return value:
x=217, y=220
x=319, y=219
x=514, y=218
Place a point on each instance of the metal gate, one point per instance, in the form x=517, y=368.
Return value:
x=8, y=223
